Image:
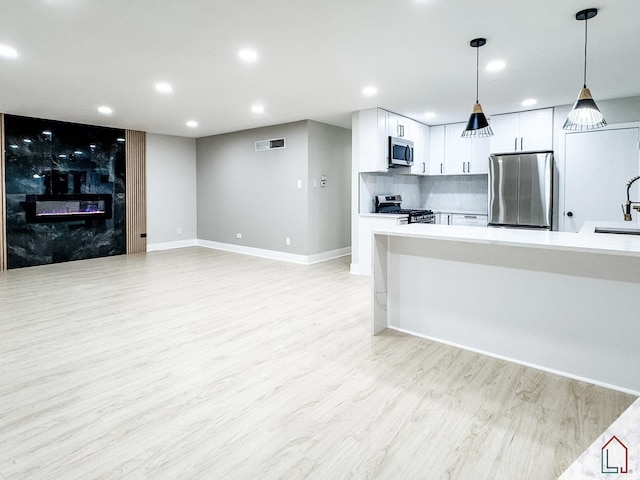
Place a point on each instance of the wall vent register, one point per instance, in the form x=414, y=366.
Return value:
x=271, y=144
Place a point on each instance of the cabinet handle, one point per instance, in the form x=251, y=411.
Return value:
x=515, y=143
x=424, y=167
x=468, y=167
x=401, y=130
x=521, y=143
x=464, y=167
x=441, y=169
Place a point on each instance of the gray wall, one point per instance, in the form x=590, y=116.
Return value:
x=256, y=194
x=171, y=189
x=329, y=206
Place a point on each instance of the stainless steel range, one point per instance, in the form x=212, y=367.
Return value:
x=392, y=204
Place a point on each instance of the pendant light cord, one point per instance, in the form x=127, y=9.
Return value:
x=585, y=52
x=477, y=69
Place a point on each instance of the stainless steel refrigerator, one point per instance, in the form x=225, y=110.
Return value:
x=521, y=190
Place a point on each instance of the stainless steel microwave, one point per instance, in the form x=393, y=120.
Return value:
x=400, y=152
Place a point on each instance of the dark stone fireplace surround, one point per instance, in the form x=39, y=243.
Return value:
x=65, y=191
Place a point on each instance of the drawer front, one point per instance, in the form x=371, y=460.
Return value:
x=478, y=220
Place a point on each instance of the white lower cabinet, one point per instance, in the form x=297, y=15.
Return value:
x=467, y=219
x=444, y=218
x=367, y=224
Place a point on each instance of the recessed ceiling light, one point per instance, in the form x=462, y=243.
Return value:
x=164, y=87
x=248, y=55
x=192, y=124
x=369, y=91
x=8, y=52
x=105, y=110
x=495, y=66
x=429, y=115
x=529, y=102
x=257, y=109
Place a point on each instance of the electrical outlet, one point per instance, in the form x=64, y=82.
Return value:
x=238, y=235
x=287, y=241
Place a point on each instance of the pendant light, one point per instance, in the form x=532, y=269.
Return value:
x=585, y=114
x=477, y=126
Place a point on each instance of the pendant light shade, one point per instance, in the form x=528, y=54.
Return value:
x=585, y=114
x=477, y=126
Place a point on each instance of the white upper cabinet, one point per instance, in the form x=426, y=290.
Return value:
x=370, y=142
x=371, y=130
x=421, y=142
x=457, y=149
x=399, y=126
x=465, y=155
x=436, y=150
x=522, y=132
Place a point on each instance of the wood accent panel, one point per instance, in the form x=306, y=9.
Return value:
x=136, y=195
x=3, y=200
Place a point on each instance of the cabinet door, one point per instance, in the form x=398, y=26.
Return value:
x=436, y=150
x=506, y=130
x=370, y=140
x=536, y=130
x=443, y=218
x=479, y=162
x=420, y=149
x=399, y=126
x=473, y=220
x=457, y=150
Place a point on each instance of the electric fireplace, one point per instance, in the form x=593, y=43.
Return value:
x=68, y=208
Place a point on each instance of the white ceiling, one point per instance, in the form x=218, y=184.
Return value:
x=315, y=58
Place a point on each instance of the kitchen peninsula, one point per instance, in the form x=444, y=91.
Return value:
x=563, y=302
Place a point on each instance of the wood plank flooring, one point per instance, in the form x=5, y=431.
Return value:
x=202, y=364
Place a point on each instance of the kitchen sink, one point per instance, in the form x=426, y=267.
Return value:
x=618, y=230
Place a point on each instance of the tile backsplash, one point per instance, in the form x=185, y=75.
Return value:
x=456, y=193
x=450, y=193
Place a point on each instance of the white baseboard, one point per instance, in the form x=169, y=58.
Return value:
x=155, y=247
x=275, y=255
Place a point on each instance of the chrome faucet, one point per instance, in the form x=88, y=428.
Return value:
x=626, y=208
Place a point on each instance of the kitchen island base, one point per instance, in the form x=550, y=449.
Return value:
x=551, y=304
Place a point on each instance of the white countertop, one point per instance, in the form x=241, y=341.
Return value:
x=628, y=245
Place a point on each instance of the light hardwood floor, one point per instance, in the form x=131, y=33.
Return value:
x=202, y=364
